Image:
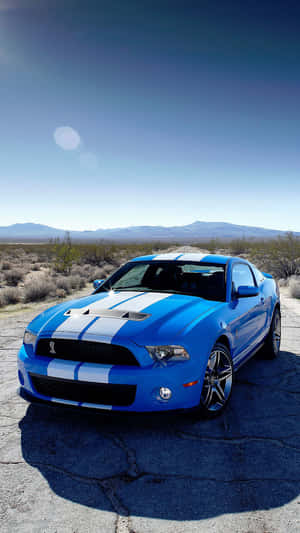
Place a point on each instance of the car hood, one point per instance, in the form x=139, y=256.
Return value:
x=117, y=316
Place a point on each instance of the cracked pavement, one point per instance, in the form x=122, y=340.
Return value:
x=77, y=471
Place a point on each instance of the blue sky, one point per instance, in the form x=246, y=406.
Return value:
x=181, y=111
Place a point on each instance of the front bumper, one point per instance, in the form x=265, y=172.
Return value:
x=147, y=381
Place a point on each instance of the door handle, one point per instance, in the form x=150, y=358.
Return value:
x=262, y=300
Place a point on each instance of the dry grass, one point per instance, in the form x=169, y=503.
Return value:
x=6, y=265
x=33, y=267
x=13, y=277
x=37, y=290
x=63, y=283
x=8, y=296
x=77, y=282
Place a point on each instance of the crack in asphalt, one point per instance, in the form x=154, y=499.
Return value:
x=122, y=524
x=239, y=440
x=111, y=486
x=123, y=514
x=107, y=482
x=133, y=469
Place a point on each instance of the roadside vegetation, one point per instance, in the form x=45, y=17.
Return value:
x=54, y=270
x=37, y=272
x=279, y=257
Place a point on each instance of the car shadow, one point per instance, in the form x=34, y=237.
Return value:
x=170, y=466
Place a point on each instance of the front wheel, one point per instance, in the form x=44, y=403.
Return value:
x=218, y=382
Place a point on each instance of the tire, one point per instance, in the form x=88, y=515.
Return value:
x=271, y=347
x=217, y=384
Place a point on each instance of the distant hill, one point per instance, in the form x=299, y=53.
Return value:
x=198, y=231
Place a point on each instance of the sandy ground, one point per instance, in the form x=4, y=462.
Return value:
x=75, y=472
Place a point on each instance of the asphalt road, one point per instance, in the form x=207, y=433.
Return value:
x=66, y=471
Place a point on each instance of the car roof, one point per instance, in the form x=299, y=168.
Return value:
x=195, y=257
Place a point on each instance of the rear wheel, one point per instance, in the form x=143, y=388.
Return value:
x=217, y=384
x=271, y=348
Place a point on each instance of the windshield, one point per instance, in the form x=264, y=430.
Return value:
x=204, y=280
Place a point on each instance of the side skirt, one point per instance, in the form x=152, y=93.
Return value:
x=247, y=357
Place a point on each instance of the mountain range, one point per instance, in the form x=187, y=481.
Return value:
x=197, y=231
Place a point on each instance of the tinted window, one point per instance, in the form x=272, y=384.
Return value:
x=133, y=277
x=242, y=275
x=258, y=275
x=195, y=279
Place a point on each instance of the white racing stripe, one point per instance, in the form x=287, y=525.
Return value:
x=74, y=325
x=166, y=257
x=71, y=328
x=104, y=329
x=93, y=372
x=58, y=368
x=77, y=404
x=138, y=304
x=67, y=402
x=192, y=257
x=97, y=406
x=43, y=327
x=111, y=300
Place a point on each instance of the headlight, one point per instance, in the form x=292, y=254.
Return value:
x=167, y=353
x=29, y=338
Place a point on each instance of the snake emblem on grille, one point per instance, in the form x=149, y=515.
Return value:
x=52, y=348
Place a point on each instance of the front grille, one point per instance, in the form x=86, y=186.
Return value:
x=83, y=391
x=86, y=351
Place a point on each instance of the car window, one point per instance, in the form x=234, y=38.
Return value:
x=133, y=277
x=195, y=279
x=205, y=270
x=242, y=275
x=258, y=275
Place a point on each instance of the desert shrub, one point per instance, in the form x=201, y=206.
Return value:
x=97, y=273
x=294, y=288
x=38, y=290
x=238, y=247
x=108, y=269
x=10, y=295
x=77, y=282
x=12, y=277
x=280, y=257
x=6, y=265
x=65, y=254
x=87, y=269
x=63, y=282
x=2, y=299
x=78, y=270
x=26, y=266
x=283, y=282
x=60, y=293
x=213, y=245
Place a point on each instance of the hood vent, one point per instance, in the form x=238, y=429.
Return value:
x=109, y=313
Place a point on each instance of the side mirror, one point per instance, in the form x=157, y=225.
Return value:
x=245, y=291
x=97, y=283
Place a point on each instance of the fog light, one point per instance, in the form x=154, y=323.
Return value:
x=165, y=393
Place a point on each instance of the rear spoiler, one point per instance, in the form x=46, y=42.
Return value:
x=267, y=275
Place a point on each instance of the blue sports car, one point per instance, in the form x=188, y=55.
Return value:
x=163, y=332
